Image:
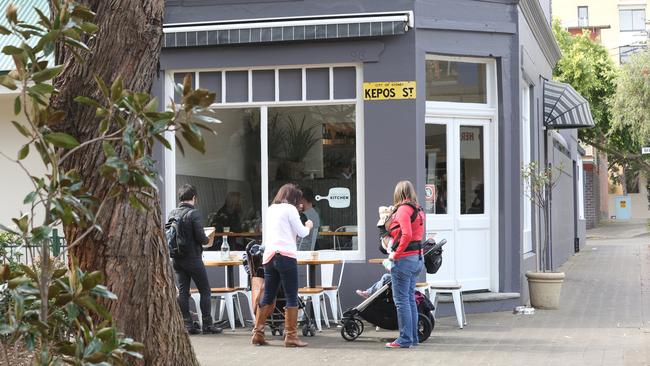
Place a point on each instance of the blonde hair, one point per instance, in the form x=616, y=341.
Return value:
x=404, y=191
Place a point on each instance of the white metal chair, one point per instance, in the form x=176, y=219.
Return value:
x=331, y=290
x=454, y=289
x=246, y=291
x=227, y=296
x=346, y=228
x=315, y=294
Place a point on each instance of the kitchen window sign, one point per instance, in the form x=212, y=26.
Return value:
x=389, y=90
x=337, y=197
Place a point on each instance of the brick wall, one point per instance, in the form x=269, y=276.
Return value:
x=592, y=197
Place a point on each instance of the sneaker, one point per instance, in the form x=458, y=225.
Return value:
x=192, y=328
x=394, y=344
x=363, y=294
x=211, y=329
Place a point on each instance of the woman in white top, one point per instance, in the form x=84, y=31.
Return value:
x=280, y=265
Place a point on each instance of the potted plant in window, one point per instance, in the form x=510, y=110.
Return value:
x=299, y=139
x=545, y=285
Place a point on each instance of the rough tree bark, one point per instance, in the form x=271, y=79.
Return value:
x=131, y=251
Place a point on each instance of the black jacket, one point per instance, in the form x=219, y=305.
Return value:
x=192, y=227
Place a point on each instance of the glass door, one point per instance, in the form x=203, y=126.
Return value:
x=458, y=195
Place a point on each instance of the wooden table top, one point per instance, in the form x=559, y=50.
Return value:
x=221, y=263
x=338, y=233
x=319, y=261
x=250, y=234
x=376, y=260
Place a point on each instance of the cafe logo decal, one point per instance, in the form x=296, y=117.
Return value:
x=337, y=197
x=389, y=90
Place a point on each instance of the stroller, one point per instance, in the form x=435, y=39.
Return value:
x=379, y=309
x=253, y=266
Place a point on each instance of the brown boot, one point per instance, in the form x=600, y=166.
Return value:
x=291, y=328
x=262, y=314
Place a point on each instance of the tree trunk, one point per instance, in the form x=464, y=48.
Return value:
x=131, y=250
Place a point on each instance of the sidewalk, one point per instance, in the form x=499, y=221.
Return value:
x=604, y=320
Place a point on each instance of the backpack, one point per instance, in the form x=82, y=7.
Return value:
x=177, y=243
x=386, y=229
x=432, y=256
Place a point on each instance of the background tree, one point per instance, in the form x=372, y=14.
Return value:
x=130, y=250
x=587, y=66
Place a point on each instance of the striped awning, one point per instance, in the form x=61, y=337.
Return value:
x=564, y=107
x=286, y=29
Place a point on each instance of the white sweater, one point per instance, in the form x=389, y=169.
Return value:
x=283, y=225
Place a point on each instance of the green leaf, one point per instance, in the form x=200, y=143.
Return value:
x=116, y=88
x=61, y=139
x=109, y=151
x=102, y=86
x=21, y=222
x=29, y=198
x=12, y=50
x=89, y=28
x=4, y=31
x=7, y=82
x=47, y=74
x=163, y=141
x=23, y=152
x=87, y=101
x=22, y=129
x=17, y=106
x=40, y=233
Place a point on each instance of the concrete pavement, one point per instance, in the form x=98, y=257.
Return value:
x=604, y=319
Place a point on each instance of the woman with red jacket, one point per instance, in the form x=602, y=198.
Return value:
x=407, y=229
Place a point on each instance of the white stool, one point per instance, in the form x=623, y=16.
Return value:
x=452, y=288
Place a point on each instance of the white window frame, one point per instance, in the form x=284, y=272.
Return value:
x=527, y=224
x=170, y=155
x=469, y=111
x=581, y=189
x=490, y=85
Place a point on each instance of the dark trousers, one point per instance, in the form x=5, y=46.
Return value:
x=283, y=270
x=192, y=269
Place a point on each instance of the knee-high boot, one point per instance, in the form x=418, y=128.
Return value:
x=291, y=328
x=261, y=315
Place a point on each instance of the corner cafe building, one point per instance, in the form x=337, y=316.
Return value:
x=348, y=97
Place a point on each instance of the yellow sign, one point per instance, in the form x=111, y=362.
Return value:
x=389, y=90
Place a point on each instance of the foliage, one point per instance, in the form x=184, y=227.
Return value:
x=69, y=330
x=538, y=183
x=128, y=124
x=587, y=66
x=299, y=139
x=631, y=104
x=9, y=243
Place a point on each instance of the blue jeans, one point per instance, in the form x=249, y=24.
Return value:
x=385, y=278
x=404, y=275
x=283, y=270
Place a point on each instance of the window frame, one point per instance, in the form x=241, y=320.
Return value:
x=631, y=11
x=490, y=82
x=586, y=9
x=170, y=155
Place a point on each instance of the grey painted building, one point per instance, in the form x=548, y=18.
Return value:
x=304, y=94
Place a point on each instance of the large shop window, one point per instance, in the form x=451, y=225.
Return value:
x=454, y=81
x=315, y=147
x=227, y=176
x=472, y=181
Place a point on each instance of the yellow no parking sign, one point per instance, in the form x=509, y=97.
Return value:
x=389, y=90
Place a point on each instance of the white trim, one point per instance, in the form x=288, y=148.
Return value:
x=581, y=189
x=169, y=154
x=490, y=84
x=277, y=85
x=303, y=80
x=526, y=158
x=405, y=16
x=360, y=140
x=223, y=86
x=250, y=86
x=264, y=161
x=331, y=83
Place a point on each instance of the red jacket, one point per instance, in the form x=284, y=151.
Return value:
x=410, y=231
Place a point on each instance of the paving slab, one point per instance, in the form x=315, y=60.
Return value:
x=603, y=320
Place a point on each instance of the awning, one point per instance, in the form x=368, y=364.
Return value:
x=564, y=107
x=286, y=29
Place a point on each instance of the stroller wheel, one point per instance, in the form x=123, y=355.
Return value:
x=351, y=329
x=424, y=327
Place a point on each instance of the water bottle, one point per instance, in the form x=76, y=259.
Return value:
x=225, y=249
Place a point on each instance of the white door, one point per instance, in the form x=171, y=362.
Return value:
x=458, y=200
